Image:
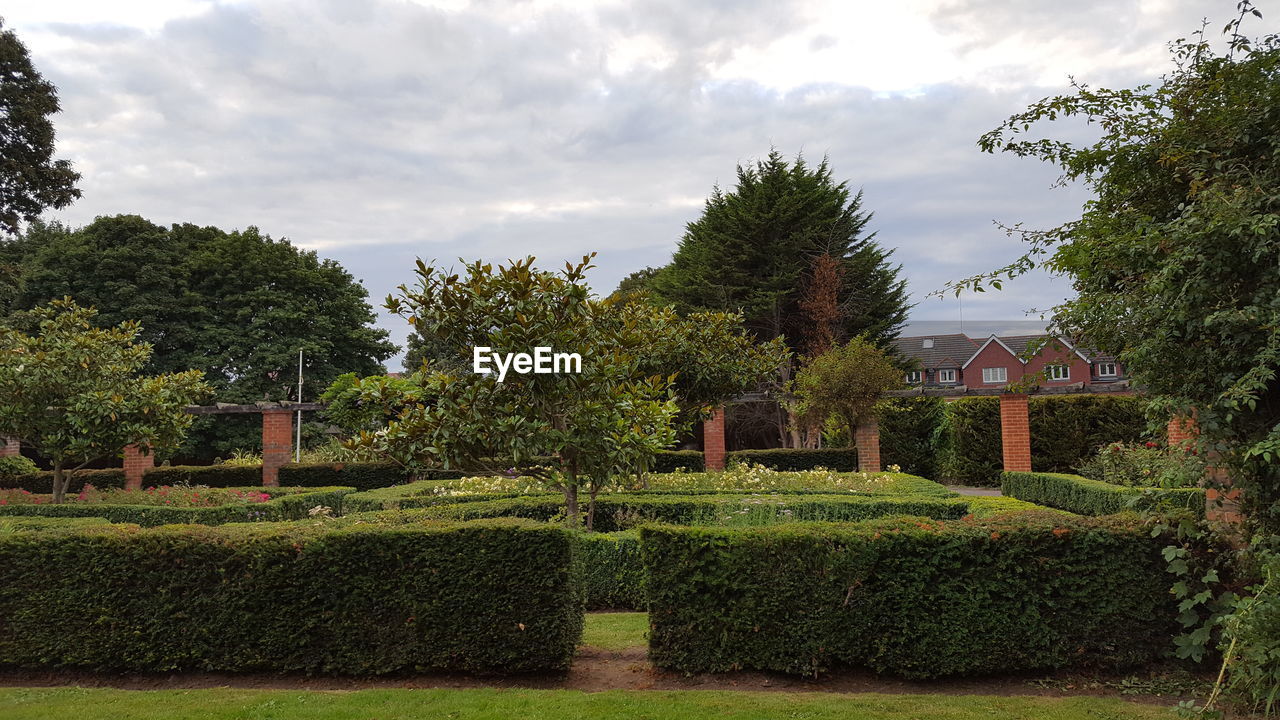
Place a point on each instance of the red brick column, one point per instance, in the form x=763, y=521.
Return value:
x=867, y=440
x=713, y=440
x=1015, y=432
x=277, y=443
x=9, y=447
x=136, y=464
x=1180, y=430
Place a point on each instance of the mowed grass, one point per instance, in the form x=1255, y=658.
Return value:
x=616, y=630
x=229, y=704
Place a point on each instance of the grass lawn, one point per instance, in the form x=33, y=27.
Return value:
x=616, y=631
x=225, y=704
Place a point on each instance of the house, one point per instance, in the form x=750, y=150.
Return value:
x=958, y=360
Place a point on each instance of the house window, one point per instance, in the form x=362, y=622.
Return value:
x=946, y=376
x=1059, y=372
x=995, y=375
x=1107, y=370
x=913, y=377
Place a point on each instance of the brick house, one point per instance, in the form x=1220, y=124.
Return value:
x=957, y=360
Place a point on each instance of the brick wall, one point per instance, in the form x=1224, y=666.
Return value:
x=867, y=440
x=1015, y=432
x=9, y=447
x=136, y=464
x=713, y=440
x=277, y=443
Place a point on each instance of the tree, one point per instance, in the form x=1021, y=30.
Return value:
x=434, y=353
x=754, y=247
x=1176, y=260
x=73, y=391
x=237, y=305
x=846, y=382
x=31, y=181
x=575, y=430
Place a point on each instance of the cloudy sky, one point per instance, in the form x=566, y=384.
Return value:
x=379, y=131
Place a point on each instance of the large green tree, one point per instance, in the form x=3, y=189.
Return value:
x=31, y=181
x=236, y=305
x=755, y=247
x=74, y=391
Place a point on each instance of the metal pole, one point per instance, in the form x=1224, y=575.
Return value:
x=297, y=450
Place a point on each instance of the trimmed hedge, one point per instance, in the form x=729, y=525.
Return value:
x=41, y=482
x=911, y=597
x=1093, y=497
x=286, y=504
x=610, y=571
x=666, y=461
x=910, y=433
x=622, y=511
x=361, y=476
x=485, y=597
x=18, y=522
x=219, y=476
x=839, y=459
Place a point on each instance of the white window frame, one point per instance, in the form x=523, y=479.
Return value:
x=1103, y=373
x=991, y=376
x=946, y=376
x=913, y=377
x=1058, y=372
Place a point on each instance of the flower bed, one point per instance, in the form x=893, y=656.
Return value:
x=165, y=505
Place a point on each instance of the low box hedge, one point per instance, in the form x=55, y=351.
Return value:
x=41, y=482
x=839, y=459
x=610, y=571
x=1093, y=497
x=219, y=476
x=490, y=597
x=912, y=597
x=11, y=523
x=285, y=504
x=623, y=511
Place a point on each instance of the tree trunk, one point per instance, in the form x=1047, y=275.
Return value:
x=591, y=506
x=59, y=483
x=571, y=502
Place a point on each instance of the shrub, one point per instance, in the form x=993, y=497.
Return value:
x=622, y=511
x=910, y=433
x=42, y=482
x=219, y=476
x=485, y=597
x=667, y=461
x=1145, y=465
x=838, y=459
x=609, y=570
x=908, y=596
x=1094, y=497
x=15, y=466
x=361, y=476
x=17, y=522
x=970, y=441
x=286, y=504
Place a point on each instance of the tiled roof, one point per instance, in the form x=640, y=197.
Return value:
x=948, y=351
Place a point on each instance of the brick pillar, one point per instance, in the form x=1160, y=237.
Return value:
x=1015, y=432
x=1180, y=430
x=9, y=447
x=277, y=443
x=136, y=464
x=713, y=440
x=867, y=440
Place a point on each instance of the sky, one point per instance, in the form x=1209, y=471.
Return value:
x=380, y=131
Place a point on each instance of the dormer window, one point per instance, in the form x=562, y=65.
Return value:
x=1107, y=369
x=1059, y=372
x=946, y=376
x=913, y=377
x=928, y=343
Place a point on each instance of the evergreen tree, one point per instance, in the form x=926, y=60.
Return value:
x=756, y=247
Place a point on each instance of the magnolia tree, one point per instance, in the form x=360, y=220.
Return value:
x=845, y=382
x=72, y=391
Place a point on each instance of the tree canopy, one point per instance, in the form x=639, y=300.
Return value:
x=72, y=390
x=754, y=250
x=846, y=382
x=236, y=305
x=31, y=181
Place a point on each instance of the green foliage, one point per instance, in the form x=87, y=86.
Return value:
x=908, y=596
x=624, y=511
x=297, y=597
x=752, y=248
x=846, y=382
x=14, y=523
x=73, y=391
x=910, y=433
x=1146, y=465
x=13, y=467
x=238, y=306
x=1251, y=640
x=31, y=181
x=1175, y=259
x=362, y=476
x=42, y=481
x=668, y=461
x=286, y=504
x=355, y=404
x=218, y=476
x=609, y=570
x=1093, y=497
x=837, y=459
x=1065, y=433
